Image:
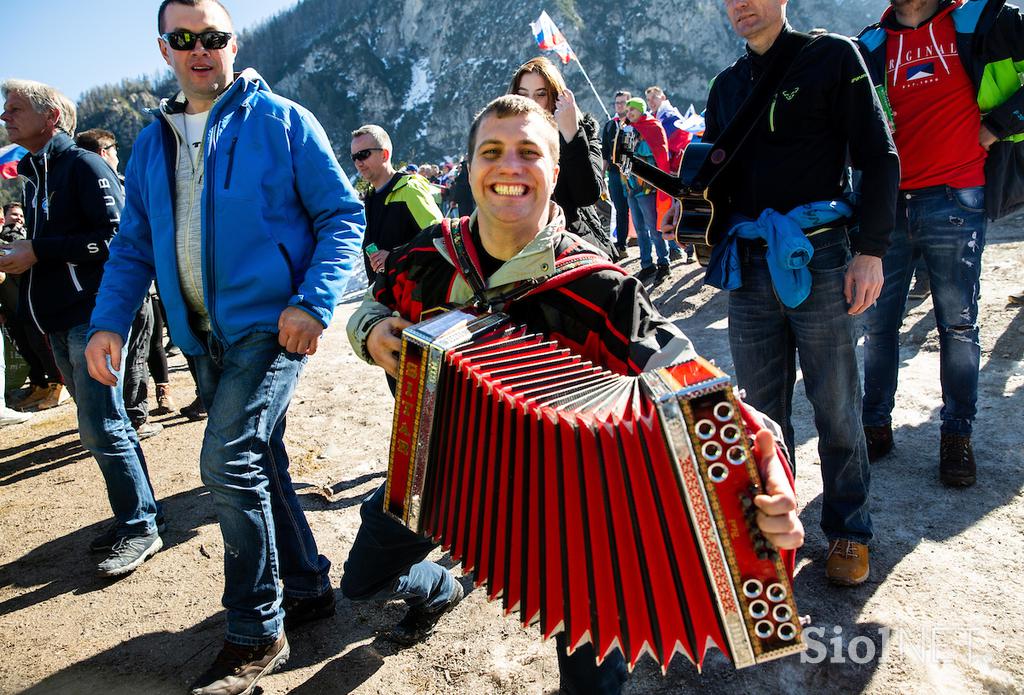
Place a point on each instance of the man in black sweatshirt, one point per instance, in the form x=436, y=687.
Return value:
x=72, y=211
x=786, y=182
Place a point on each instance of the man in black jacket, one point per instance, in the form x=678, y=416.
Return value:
x=73, y=210
x=401, y=203
x=611, y=169
x=790, y=173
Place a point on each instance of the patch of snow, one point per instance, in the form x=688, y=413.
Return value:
x=422, y=88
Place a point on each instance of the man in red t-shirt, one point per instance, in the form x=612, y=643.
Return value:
x=936, y=61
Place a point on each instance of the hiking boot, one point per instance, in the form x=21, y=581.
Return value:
x=675, y=254
x=847, y=563
x=148, y=429
x=128, y=553
x=194, y=410
x=299, y=611
x=105, y=541
x=1016, y=298
x=164, y=401
x=238, y=667
x=662, y=272
x=56, y=394
x=879, y=441
x=956, y=461
x=419, y=623
x=646, y=273
x=34, y=395
x=13, y=417
x=691, y=254
x=170, y=349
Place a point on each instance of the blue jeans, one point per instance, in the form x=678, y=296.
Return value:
x=107, y=434
x=617, y=193
x=765, y=336
x=945, y=227
x=644, y=209
x=387, y=562
x=246, y=389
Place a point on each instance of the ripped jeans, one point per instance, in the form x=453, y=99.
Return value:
x=946, y=227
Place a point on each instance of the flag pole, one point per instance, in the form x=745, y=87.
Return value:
x=587, y=78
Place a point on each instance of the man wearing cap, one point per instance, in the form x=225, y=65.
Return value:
x=401, y=203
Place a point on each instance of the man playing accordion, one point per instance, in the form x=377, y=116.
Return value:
x=514, y=255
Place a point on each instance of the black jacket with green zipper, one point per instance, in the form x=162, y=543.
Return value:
x=990, y=43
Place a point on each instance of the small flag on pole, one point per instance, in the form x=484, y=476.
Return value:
x=9, y=157
x=549, y=38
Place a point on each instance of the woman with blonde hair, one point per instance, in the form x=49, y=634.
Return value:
x=580, y=178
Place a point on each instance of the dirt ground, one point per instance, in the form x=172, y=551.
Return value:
x=942, y=611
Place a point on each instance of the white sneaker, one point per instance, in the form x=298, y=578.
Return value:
x=13, y=417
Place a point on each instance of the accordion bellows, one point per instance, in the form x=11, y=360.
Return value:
x=618, y=509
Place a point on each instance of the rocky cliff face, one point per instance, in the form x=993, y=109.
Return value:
x=422, y=69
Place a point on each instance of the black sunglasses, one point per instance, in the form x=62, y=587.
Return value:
x=186, y=40
x=363, y=155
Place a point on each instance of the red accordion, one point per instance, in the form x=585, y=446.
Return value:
x=618, y=509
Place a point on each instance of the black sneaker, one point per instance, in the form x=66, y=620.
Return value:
x=646, y=273
x=238, y=667
x=662, y=272
x=194, y=410
x=299, y=611
x=105, y=541
x=956, y=461
x=128, y=553
x=879, y=441
x=419, y=623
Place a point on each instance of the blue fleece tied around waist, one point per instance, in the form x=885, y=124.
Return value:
x=789, y=250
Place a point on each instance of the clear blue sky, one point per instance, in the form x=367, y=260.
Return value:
x=74, y=45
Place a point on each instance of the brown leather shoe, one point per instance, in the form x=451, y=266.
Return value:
x=847, y=563
x=238, y=667
x=56, y=395
x=164, y=401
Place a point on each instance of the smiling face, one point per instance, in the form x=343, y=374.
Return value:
x=15, y=216
x=25, y=126
x=533, y=86
x=633, y=114
x=202, y=74
x=512, y=175
x=756, y=19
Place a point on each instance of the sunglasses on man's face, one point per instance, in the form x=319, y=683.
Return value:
x=363, y=155
x=186, y=40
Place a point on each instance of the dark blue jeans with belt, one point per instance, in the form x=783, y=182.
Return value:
x=765, y=337
x=945, y=227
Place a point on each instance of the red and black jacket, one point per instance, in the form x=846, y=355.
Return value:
x=598, y=312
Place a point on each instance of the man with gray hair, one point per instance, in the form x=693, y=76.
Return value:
x=400, y=205
x=72, y=212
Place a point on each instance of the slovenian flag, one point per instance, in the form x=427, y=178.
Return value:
x=10, y=155
x=549, y=38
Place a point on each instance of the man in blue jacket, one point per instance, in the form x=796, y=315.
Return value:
x=237, y=205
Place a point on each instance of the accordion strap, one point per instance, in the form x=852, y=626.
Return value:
x=568, y=267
